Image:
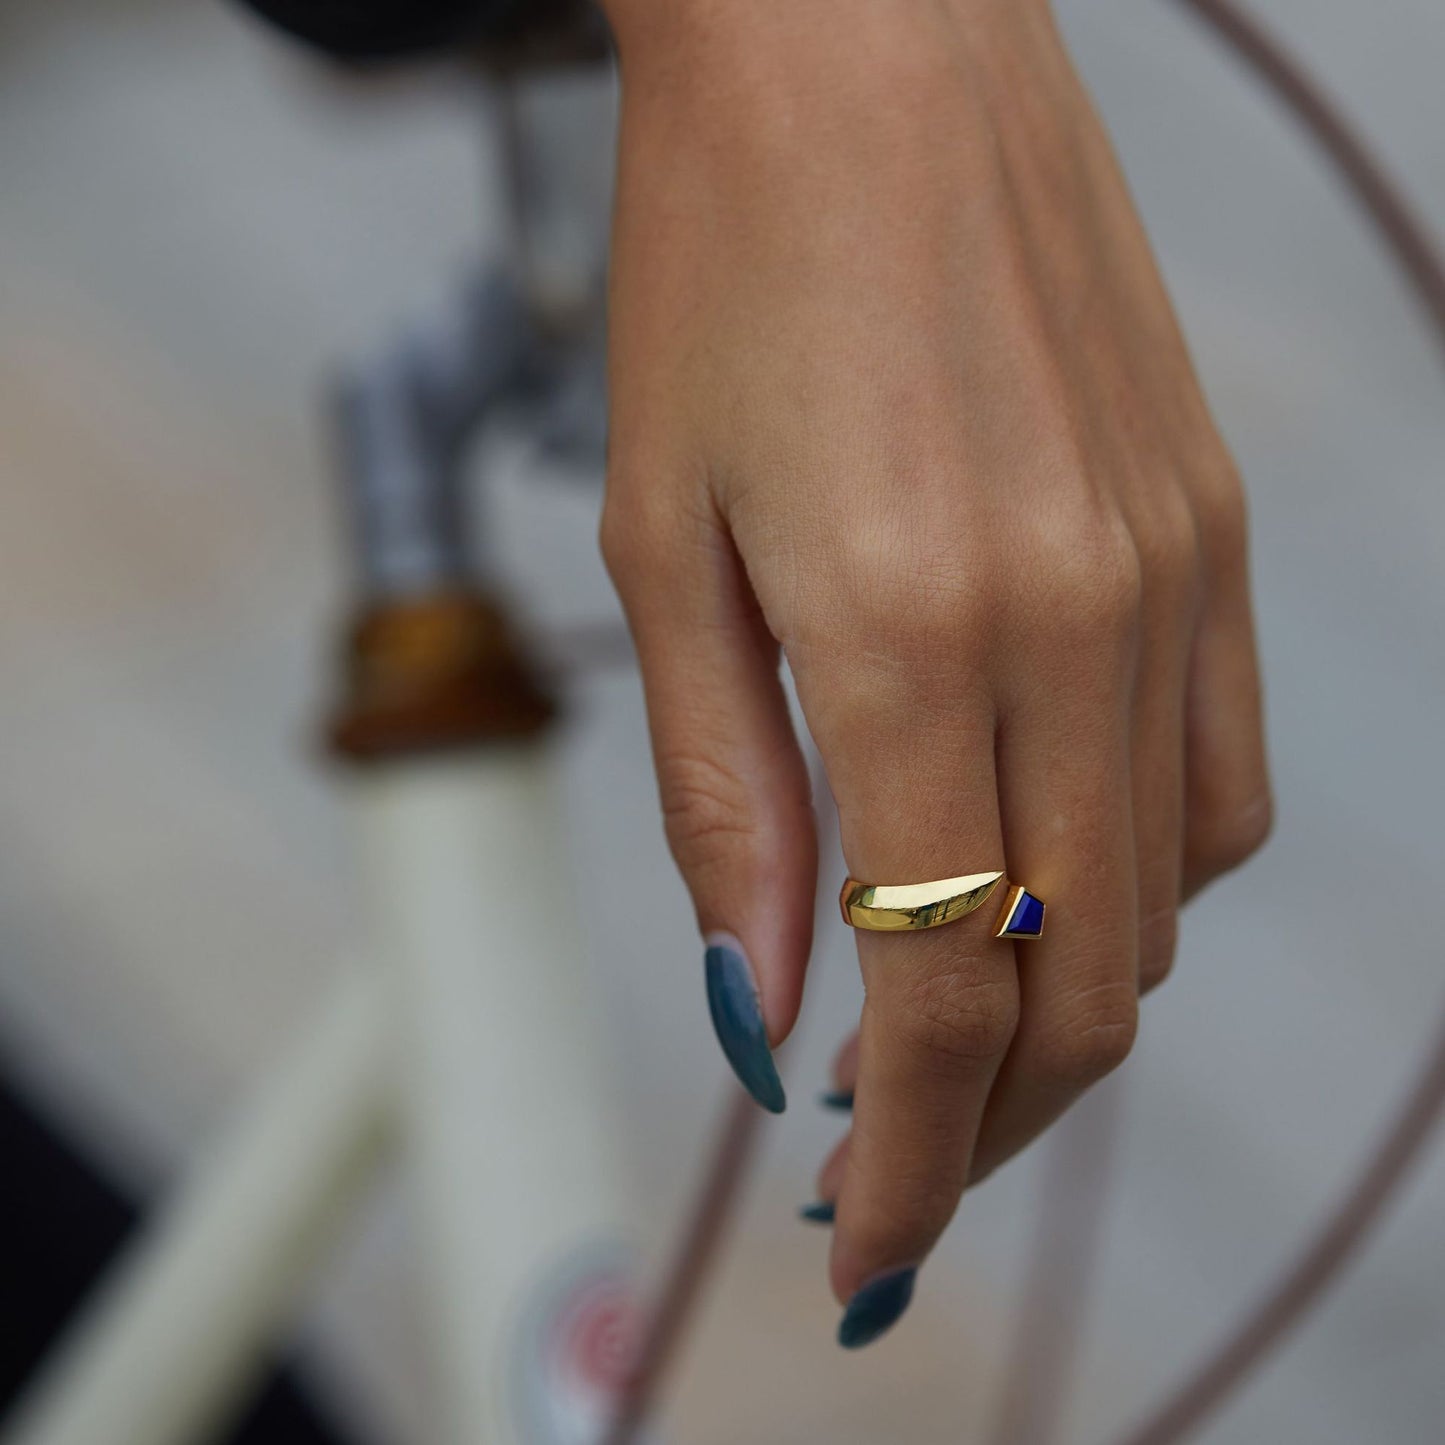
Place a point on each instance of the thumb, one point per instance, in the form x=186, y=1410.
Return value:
x=733, y=782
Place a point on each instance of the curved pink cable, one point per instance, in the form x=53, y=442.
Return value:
x=1323, y=1259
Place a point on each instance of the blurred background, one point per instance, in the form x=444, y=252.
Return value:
x=198, y=223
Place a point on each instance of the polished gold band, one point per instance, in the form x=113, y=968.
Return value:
x=894, y=907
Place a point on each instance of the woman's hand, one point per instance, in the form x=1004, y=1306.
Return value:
x=896, y=388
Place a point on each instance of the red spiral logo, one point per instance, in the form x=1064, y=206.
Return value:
x=598, y=1337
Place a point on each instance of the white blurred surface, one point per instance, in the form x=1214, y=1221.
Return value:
x=192, y=228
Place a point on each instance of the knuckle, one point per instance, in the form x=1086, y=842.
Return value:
x=706, y=810
x=1227, y=838
x=908, y=615
x=1154, y=971
x=619, y=539
x=1169, y=549
x=1095, y=578
x=635, y=535
x=1222, y=513
x=911, y=597
x=1158, y=943
x=1115, y=584
x=957, y=1024
x=1095, y=1042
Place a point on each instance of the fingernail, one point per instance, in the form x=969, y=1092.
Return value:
x=840, y=1099
x=732, y=999
x=875, y=1308
x=820, y=1213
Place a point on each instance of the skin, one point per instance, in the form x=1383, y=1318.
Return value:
x=897, y=393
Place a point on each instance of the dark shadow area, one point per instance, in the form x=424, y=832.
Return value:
x=61, y=1223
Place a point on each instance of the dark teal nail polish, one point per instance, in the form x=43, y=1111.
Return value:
x=732, y=999
x=839, y=1099
x=820, y=1213
x=876, y=1308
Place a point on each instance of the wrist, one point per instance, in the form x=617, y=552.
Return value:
x=762, y=41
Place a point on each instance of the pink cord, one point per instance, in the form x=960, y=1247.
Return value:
x=1054, y=1308
x=1323, y=1259
x=717, y=1200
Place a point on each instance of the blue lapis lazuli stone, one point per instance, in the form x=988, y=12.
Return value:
x=1027, y=919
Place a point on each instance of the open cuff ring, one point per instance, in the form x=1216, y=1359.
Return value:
x=893, y=907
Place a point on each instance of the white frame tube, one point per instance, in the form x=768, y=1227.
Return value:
x=509, y=1134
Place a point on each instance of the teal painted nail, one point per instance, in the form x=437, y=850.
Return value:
x=820, y=1213
x=839, y=1099
x=875, y=1308
x=737, y=1017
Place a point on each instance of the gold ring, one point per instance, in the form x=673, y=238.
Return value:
x=893, y=907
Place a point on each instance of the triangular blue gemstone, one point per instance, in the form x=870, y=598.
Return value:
x=1027, y=918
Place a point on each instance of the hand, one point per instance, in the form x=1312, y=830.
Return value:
x=896, y=388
